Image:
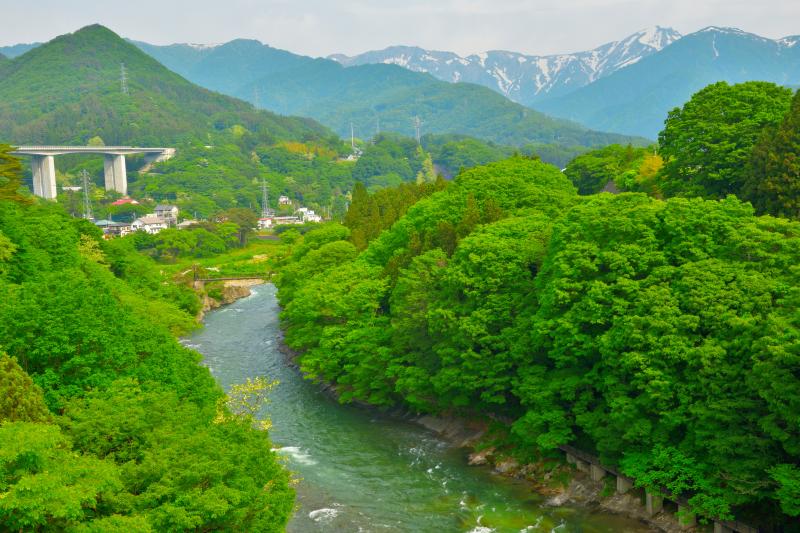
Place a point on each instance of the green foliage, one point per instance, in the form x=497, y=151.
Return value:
x=45, y=485
x=706, y=144
x=661, y=335
x=591, y=172
x=20, y=399
x=773, y=181
x=140, y=445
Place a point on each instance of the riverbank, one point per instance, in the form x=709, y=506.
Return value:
x=230, y=290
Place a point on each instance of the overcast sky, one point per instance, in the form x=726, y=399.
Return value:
x=322, y=27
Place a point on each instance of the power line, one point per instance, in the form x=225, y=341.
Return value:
x=265, y=210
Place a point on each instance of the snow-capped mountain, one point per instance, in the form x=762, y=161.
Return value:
x=524, y=78
x=635, y=100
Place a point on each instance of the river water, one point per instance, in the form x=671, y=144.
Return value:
x=360, y=470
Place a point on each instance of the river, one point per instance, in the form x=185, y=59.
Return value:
x=360, y=470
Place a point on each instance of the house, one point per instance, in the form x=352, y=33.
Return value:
x=168, y=213
x=126, y=200
x=113, y=229
x=284, y=200
x=265, y=222
x=150, y=224
x=308, y=215
x=286, y=220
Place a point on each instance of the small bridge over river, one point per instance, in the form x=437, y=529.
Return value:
x=116, y=174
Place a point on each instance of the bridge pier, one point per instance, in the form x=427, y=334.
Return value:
x=116, y=175
x=44, y=176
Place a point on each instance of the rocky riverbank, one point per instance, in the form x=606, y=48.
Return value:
x=562, y=484
x=230, y=291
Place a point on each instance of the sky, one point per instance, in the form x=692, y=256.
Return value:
x=323, y=27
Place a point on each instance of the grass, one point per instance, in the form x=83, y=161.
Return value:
x=256, y=260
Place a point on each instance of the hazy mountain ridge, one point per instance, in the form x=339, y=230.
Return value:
x=373, y=97
x=636, y=99
x=524, y=78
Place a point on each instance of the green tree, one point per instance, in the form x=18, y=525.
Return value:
x=773, y=183
x=10, y=175
x=706, y=144
x=46, y=485
x=21, y=400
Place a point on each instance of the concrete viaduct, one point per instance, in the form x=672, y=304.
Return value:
x=116, y=175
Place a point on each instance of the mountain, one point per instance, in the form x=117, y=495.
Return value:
x=635, y=100
x=70, y=89
x=526, y=79
x=226, y=67
x=371, y=97
x=17, y=49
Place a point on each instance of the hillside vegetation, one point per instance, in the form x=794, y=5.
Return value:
x=107, y=423
x=658, y=334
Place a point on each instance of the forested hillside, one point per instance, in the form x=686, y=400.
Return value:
x=107, y=423
x=365, y=95
x=657, y=334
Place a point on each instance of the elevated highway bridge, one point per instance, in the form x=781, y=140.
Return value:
x=116, y=174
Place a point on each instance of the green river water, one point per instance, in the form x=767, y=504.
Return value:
x=360, y=470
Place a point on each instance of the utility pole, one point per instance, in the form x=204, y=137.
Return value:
x=87, y=204
x=265, y=210
x=256, y=98
x=123, y=78
x=418, y=129
x=352, y=137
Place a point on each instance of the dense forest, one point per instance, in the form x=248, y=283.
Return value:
x=657, y=329
x=106, y=422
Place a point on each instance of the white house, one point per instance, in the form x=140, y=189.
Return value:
x=284, y=200
x=308, y=215
x=168, y=213
x=150, y=223
x=265, y=223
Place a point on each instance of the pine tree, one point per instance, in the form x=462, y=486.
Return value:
x=773, y=184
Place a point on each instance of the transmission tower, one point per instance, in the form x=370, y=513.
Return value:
x=418, y=129
x=123, y=78
x=352, y=137
x=256, y=98
x=265, y=210
x=87, y=204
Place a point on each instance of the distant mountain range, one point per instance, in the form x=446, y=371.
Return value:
x=627, y=86
x=636, y=99
x=526, y=79
x=17, y=49
x=368, y=97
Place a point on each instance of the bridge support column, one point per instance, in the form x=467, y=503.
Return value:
x=623, y=484
x=596, y=472
x=116, y=174
x=653, y=503
x=44, y=176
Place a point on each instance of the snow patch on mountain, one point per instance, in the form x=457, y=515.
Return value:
x=524, y=78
